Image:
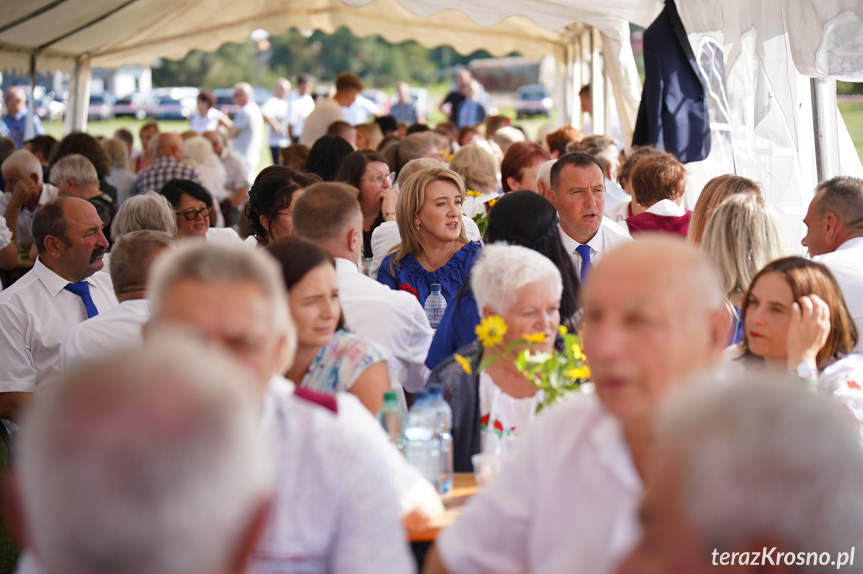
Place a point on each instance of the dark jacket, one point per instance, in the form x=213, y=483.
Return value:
x=673, y=109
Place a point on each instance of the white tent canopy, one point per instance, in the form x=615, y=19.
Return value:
x=77, y=34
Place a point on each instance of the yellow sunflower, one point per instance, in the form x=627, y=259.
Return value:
x=582, y=372
x=491, y=202
x=490, y=331
x=473, y=193
x=534, y=337
x=464, y=363
x=577, y=353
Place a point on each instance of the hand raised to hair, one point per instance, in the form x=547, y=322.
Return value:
x=807, y=330
x=25, y=190
x=387, y=198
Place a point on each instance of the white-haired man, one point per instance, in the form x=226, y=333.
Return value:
x=236, y=174
x=834, y=236
x=150, y=461
x=566, y=500
x=25, y=192
x=753, y=476
x=75, y=176
x=543, y=178
x=336, y=510
x=247, y=130
x=277, y=113
x=17, y=115
x=329, y=215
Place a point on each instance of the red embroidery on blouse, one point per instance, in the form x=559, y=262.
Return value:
x=854, y=385
x=409, y=289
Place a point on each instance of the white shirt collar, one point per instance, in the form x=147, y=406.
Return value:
x=343, y=264
x=53, y=283
x=595, y=243
x=853, y=243
x=666, y=208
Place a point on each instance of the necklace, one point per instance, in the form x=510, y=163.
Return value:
x=428, y=267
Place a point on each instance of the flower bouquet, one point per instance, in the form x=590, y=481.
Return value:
x=557, y=373
x=481, y=218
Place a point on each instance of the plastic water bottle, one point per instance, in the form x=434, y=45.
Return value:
x=422, y=446
x=392, y=419
x=443, y=429
x=435, y=306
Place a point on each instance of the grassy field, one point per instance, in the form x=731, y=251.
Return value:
x=851, y=113
x=853, y=116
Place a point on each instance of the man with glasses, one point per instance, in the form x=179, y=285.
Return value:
x=168, y=165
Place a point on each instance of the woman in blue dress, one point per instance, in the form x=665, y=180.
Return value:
x=434, y=247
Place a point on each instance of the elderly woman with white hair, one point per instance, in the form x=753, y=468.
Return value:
x=491, y=407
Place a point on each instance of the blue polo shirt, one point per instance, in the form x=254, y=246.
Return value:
x=18, y=123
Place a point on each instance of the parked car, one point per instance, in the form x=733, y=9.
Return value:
x=225, y=101
x=134, y=105
x=172, y=103
x=101, y=107
x=532, y=100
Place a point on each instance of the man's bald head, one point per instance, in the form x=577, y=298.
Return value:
x=653, y=317
x=170, y=144
x=215, y=138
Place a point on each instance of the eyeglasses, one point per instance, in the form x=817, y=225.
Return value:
x=379, y=179
x=192, y=215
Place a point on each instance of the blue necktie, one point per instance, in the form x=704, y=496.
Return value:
x=82, y=290
x=584, y=252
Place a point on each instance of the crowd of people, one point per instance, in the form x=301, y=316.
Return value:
x=192, y=366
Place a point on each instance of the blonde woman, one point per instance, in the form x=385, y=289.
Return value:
x=712, y=195
x=741, y=237
x=434, y=247
x=478, y=171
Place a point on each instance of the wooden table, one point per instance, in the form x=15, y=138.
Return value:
x=464, y=486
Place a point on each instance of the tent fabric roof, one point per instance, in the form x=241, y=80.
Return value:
x=116, y=32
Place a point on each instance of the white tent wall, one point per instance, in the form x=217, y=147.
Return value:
x=761, y=105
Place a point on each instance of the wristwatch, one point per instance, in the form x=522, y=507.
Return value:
x=806, y=372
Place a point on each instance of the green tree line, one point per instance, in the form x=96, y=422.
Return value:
x=323, y=56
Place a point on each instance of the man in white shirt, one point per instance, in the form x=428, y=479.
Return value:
x=151, y=460
x=329, y=214
x=25, y=192
x=119, y=327
x=578, y=194
x=277, y=113
x=753, y=476
x=236, y=174
x=335, y=508
x=64, y=288
x=302, y=104
x=348, y=87
x=566, y=500
x=247, y=130
x=834, y=237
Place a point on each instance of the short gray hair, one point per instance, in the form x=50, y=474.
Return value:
x=767, y=458
x=118, y=154
x=502, y=270
x=76, y=167
x=232, y=264
x=25, y=162
x=543, y=174
x=148, y=211
x=113, y=481
x=199, y=149
x=132, y=256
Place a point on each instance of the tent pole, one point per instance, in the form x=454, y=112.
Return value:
x=818, y=125
x=29, y=129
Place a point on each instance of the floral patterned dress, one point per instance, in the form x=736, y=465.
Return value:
x=340, y=363
x=502, y=417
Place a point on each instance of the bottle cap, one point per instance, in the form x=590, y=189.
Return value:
x=435, y=287
x=390, y=397
x=435, y=389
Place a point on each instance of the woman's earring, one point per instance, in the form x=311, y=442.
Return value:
x=418, y=226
